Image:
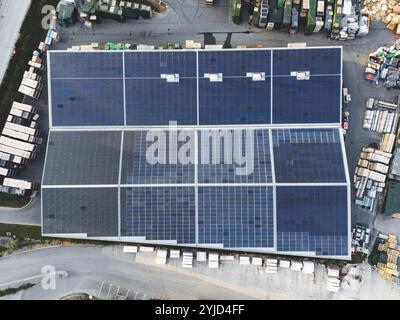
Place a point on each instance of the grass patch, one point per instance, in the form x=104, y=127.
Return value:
x=21, y=231
x=8, y=291
x=13, y=201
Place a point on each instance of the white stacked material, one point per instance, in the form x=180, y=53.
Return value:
x=271, y=266
x=296, y=265
x=187, y=260
x=332, y=272
x=130, y=249
x=161, y=256
x=144, y=47
x=18, y=183
x=333, y=284
x=201, y=256
x=308, y=267
x=256, y=261
x=213, y=261
x=26, y=146
x=284, y=263
x=227, y=258
x=244, y=260
x=174, y=254
x=380, y=121
x=146, y=249
x=387, y=142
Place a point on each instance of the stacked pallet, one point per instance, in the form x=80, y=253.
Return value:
x=332, y=280
x=380, y=121
x=161, y=257
x=187, y=260
x=387, y=11
x=389, y=269
x=370, y=176
x=387, y=142
x=271, y=266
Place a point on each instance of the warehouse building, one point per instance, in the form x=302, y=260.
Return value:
x=108, y=109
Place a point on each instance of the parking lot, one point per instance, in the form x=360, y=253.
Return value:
x=192, y=19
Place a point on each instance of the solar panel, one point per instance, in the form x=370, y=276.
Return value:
x=138, y=169
x=234, y=63
x=234, y=101
x=254, y=159
x=316, y=100
x=237, y=217
x=157, y=102
x=308, y=155
x=159, y=213
x=312, y=219
x=235, y=200
x=78, y=65
x=82, y=158
x=87, y=102
x=153, y=64
x=320, y=61
x=91, y=211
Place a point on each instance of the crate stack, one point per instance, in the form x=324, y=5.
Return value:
x=387, y=11
x=370, y=176
x=384, y=64
x=389, y=270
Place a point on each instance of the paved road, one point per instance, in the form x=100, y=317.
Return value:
x=192, y=19
x=12, y=15
x=90, y=266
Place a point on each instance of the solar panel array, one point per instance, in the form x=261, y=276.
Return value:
x=266, y=188
x=128, y=88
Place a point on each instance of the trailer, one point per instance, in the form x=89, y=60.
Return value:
x=25, y=107
x=10, y=158
x=287, y=14
x=21, y=136
x=17, y=152
x=26, y=146
x=20, y=184
x=23, y=129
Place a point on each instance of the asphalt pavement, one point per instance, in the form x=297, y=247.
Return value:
x=12, y=14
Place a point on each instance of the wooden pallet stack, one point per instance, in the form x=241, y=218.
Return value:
x=389, y=270
x=387, y=11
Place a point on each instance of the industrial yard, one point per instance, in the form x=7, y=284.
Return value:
x=371, y=103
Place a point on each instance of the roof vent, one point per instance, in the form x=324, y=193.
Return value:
x=301, y=75
x=174, y=77
x=256, y=76
x=214, y=77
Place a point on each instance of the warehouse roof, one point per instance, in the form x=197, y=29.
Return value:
x=98, y=181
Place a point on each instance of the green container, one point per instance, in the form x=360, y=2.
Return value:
x=236, y=11
x=312, y=12
x=281, y=4
x=287, y=13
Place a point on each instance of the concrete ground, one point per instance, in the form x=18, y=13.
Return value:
x=12, y=14
x=99, y=270
x=192, y=19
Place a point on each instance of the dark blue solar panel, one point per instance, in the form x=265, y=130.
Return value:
x=312, y=219
x=159, y=213
x=87, y=102
x=86, y=64
x=138, y=166
x=244, y=156
x=157, y=102
x=317, y=61
x=234, y=101
x=306, y=101
x=236, y=216
x=308, y=155
x=234, y=63
x=153, y=64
